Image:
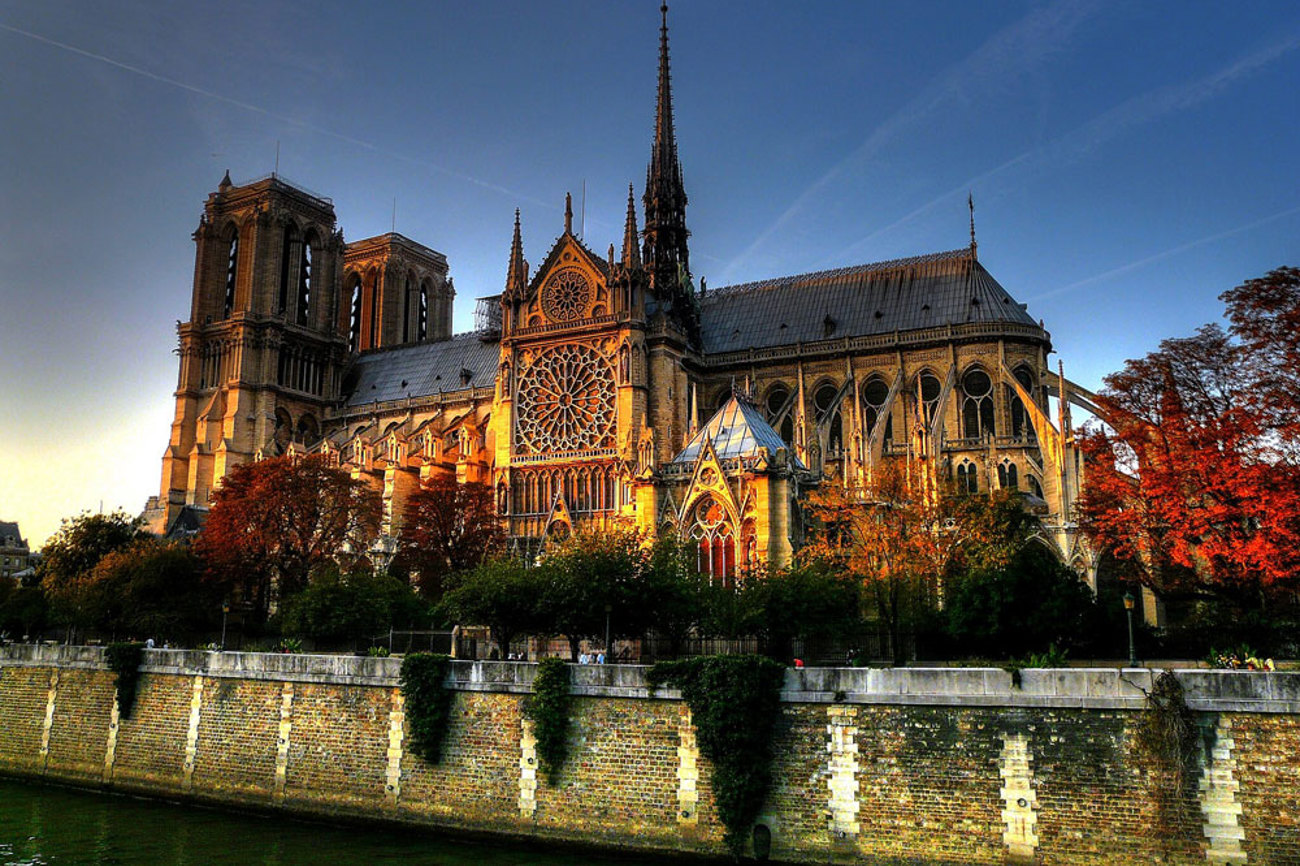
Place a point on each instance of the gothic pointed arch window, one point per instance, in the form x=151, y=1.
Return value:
x=306, y=264
x=929, y=388
x=290, y=260
x=375, y=278
x=422, y=317
x=354, y=316
x=977, y=404
x=232, y=269
x=829, y=417
x=779, y=412
x=715, y=540
x=1008, y=476
x=967, y=478
x=406, y=307
x=875, y=393
x=1020, y=424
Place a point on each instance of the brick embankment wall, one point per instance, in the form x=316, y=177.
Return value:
x=937, y=766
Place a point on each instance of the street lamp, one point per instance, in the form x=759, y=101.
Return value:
x=1129, y=602
x=609, y=651
x=225, y=609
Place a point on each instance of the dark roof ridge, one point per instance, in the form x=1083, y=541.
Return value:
x=888, y=265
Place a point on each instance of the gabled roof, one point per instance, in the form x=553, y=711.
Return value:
x=553, y=258
x=736, y=430
x=422, y=369
x=934, y=290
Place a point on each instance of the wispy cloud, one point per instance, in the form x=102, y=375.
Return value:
x=1165, y=254
x=1011, y=52
x=362, y=143
x=1140, y=110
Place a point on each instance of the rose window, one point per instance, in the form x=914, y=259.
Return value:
x=565, y=400
x=566, y=296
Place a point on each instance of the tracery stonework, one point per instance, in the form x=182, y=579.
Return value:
x=566, y=296
x=566, y=401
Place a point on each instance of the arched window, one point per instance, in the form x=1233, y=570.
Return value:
x=874, y=394
x=290, y=261
x=715, y=540
x=967, y=479
x=779, y=413
x=929, y=387
x=1008, y=477
x=374, y=309
x=977, y=404
x=1034, y=487
x=305, y=263
x=354, y=318
x=1020, y=425
x=406, y=308
x=308, y=429
x=232, y=268
x=829, y=417
x=422, y=324
x=283, y=429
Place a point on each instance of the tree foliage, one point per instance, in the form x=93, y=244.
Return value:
x=275, y=521
x=901, y=543
x=447, y=527
x=339, y=607
x=427, y=702
x=1194, y=480
x=548, y=709
x=70, y=556
x=500, y=593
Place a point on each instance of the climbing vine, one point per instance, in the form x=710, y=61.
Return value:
x=548, y=709
x=124, y=660
x=1166, y=738
x=735, y=702
x=427, y=702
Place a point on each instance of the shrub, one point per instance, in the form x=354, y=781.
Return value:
x=427, y=702
x=548, y=709
x=124, y=660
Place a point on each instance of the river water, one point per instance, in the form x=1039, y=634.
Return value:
x=43, y=825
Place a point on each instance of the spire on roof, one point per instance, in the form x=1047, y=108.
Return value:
x=970, y=202
x=225, y=182
x=517, y=272
x=568, y=214
x=665, y=252
x=631, y=250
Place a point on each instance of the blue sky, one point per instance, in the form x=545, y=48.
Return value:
x=1129, y=162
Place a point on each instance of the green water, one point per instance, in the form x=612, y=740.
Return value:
x=42, y=825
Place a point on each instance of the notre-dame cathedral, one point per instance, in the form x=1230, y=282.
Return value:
x=602, y=388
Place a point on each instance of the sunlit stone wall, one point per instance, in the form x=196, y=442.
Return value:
x=942, y=765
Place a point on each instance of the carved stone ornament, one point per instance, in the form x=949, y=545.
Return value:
x=566, y=295
x=566, y=400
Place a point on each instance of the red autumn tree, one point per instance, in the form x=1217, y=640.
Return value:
x=447, y=527
x=1193, y=479
x=274, y=521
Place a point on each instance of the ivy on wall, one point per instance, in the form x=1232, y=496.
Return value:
x=548, y=709
x=1166, y=740
x=427, y=702
x=124, y=661
x=735, y=702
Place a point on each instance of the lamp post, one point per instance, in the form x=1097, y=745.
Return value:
x=609, y=651
x=225, y=609
x=1129, y=602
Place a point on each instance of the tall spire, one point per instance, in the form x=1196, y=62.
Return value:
x=666, y=253
x=970, y=202
x=568, y=214
x=631, y=248
x=516, y=276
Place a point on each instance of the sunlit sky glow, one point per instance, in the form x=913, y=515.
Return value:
x=1129, y=162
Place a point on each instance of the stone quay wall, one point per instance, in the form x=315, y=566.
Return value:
x=935, y=766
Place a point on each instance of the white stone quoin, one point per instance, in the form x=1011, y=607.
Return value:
x=1219, y=806
x=1019, y=814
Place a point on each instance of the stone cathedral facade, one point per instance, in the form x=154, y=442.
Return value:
x=604, y=389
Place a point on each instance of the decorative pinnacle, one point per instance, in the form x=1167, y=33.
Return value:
x=568, y=213
x=631, y=249
x=516, y=274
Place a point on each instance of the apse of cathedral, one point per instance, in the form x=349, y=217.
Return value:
x=607, y=389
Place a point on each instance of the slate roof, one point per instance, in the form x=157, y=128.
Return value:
x=10, y=530
x=422, y=370
x=901, y=295
x=736, y=430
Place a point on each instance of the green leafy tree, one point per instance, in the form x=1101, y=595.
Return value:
x=341, y=607
x=592, y=579
x=151, y=588
x=500, y=593
x=70, y=556
x=23, y=609
x=799, y=603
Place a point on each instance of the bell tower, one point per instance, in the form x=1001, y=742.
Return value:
x=262, y=352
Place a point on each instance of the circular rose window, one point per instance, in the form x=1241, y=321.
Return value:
x=566, y=296
x=566, y=400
